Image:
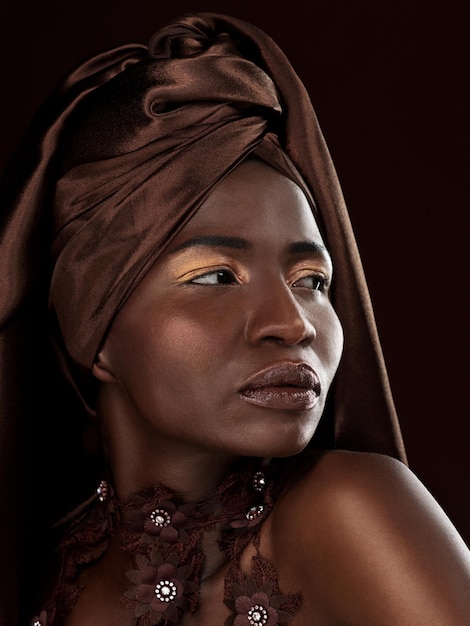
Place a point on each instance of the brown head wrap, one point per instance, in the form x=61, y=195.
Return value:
x=118, y=159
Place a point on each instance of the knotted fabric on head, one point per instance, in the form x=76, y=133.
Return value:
x=117, y=161
x=160, y=136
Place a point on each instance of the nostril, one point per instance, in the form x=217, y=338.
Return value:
x=287, y=324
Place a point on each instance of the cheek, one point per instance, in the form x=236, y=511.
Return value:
x=331, y=341
x=183, y=341
x=185, y=345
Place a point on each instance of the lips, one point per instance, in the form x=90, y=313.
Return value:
x=288, y=386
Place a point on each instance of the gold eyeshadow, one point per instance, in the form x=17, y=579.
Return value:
x=192, y=262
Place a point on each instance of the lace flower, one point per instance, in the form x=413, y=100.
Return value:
x=252, y=518
x=165, y=521
x=256, y=606
x=160, y=588
x=150, y=517
x=254, y=610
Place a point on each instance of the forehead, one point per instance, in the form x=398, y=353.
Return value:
x=254, y=200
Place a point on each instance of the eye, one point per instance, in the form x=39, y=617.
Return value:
x=314, y=282
x=217, y=277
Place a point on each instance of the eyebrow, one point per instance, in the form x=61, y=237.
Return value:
x=238, y=243
x=307, y=247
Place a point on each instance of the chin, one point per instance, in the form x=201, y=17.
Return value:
x=287, y=451
x=283, y=446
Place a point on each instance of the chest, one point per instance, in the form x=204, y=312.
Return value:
x=245, y=593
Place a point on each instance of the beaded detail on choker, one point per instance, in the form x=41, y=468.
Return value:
x=164, y=536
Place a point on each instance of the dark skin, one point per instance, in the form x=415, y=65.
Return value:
x=357, y=534
x=228, y=299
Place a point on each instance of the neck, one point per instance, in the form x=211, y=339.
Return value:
x=194, y=477
x=140, y=458
x=211, y=519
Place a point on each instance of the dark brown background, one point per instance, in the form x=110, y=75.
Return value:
x=388, y=81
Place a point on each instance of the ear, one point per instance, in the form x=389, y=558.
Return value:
x=101, y=369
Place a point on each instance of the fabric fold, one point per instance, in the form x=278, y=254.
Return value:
x=117, y=160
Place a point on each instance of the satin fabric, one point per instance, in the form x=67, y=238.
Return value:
x=118, y=159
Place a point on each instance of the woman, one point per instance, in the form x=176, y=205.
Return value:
x=178, y=209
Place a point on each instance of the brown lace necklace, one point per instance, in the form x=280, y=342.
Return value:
x=164, y=536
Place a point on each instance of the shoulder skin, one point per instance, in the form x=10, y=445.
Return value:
x=366, y=543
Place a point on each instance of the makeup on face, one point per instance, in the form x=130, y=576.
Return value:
x=233, y=337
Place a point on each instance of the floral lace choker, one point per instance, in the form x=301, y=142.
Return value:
x=164, y=536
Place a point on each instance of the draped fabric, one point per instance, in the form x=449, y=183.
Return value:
x=117, y=160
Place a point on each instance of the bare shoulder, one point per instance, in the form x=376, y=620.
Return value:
x=341, y=483
x=365, y=539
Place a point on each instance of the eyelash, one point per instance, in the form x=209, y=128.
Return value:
x=320, y=282
x=219, y=273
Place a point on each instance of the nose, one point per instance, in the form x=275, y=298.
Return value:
x=276, y=315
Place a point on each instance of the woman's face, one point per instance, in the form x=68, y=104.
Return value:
x=230, y=343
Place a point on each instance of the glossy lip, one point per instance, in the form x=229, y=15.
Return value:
x=289, y=386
